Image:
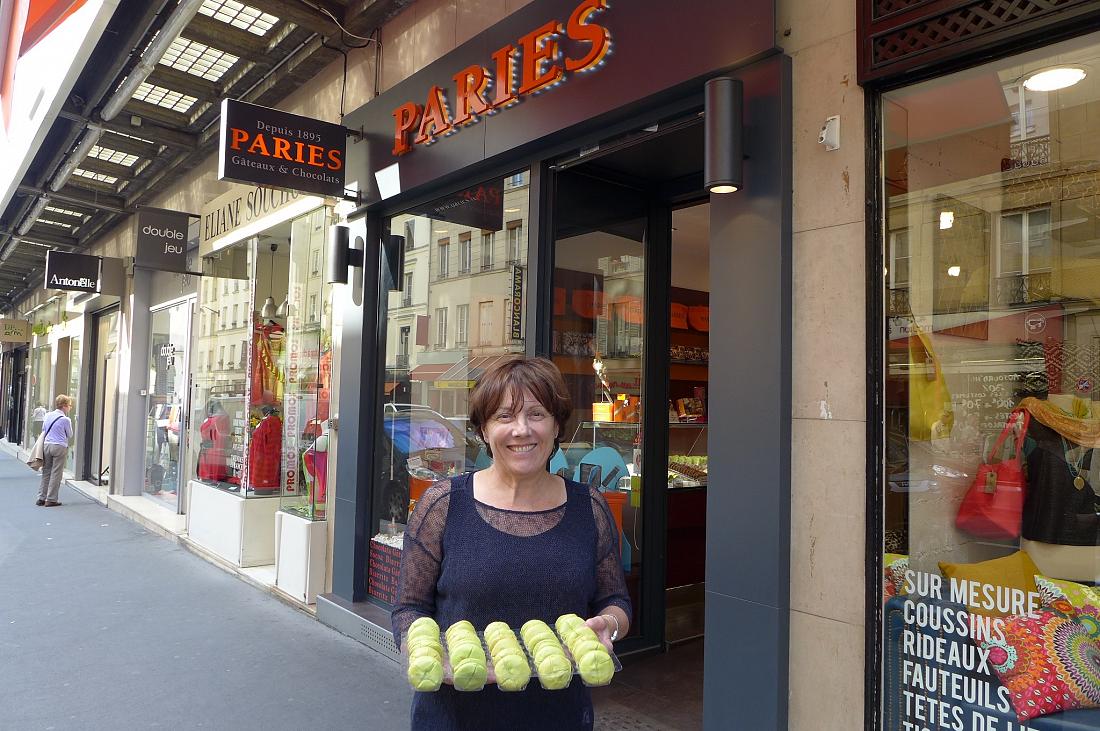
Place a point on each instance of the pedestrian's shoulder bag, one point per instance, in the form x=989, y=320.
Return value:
x=36, y=459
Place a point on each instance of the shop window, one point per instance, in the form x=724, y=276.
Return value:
x=989, y=480
x=486, y=251
x=462, y=324
x=443, y=255
x=261, y=412
x=465, y=251
x=441, y=327
x=516, y=242
x=437, y=355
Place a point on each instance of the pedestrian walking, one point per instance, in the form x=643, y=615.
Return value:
x=55, y=445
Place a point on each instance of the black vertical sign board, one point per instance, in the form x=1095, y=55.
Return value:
x=72, y=272
x=517, y=303
x=161, y=239
x=264, y=146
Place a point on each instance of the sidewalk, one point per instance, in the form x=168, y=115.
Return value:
x=106, y=625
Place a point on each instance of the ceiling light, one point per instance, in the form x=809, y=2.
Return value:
x=1053, y=79
x=947, y=220
x=954, y=271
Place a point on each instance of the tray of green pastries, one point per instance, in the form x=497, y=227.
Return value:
x=470, y=659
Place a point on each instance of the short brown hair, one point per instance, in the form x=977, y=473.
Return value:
x=512, y=377
x=62, y=401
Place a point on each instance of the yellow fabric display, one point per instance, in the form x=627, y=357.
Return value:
x=930, y=413
x=1016, y=571
x=1075, y=426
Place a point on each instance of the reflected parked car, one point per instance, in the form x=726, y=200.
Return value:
x=419, y=447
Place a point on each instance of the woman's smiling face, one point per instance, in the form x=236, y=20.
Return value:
x=521, y=437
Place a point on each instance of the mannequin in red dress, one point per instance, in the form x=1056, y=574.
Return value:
x=265, y=452
x=213, y=449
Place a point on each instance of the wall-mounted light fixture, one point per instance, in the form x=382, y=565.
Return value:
x=340, y=255
x=723, y=135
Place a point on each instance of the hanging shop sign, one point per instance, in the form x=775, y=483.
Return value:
x=160, y=238
x=73, y=272
x=269, y=147
x=516, y=315
x=15, y=331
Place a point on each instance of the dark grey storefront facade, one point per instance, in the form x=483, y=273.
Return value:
x=650, y=81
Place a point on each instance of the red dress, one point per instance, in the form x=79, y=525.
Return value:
x=265, y=453
x=214, y=432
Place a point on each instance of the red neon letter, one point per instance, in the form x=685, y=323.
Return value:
x=436, y=120
x=579, y=28
x=504, y=85
x=539, y=47
x=406, y=116
x=470, y=85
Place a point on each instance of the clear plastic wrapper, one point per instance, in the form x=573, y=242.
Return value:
x=490, y=665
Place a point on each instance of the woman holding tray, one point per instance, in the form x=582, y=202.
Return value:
x=511, y=543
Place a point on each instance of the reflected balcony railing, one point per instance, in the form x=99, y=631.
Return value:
x=1024, y=289
x=1031, y=153
x=897, y=302
x=402, y=361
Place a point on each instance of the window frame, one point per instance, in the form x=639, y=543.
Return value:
x=1025, y=241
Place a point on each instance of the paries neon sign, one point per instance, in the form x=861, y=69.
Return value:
x=534, y=63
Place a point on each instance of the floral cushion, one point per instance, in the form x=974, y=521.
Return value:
x=1072, y=600
x=894, y=566
x=1049, y=663
x=1076, y=594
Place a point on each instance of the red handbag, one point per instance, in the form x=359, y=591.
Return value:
x=993, y=507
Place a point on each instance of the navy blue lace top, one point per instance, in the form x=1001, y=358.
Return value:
x=464, y=559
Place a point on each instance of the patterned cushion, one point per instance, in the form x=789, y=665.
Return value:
x=894, y=566
x=1078, y=595
x=1049, y=663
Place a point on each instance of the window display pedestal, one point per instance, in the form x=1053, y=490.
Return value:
x=230, y=526
x=300, y=547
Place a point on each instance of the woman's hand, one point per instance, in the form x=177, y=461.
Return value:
x=603, y=627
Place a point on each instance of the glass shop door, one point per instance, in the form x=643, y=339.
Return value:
x=165, y=427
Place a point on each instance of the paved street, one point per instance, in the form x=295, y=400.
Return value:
x=104, y=625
